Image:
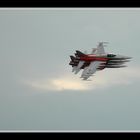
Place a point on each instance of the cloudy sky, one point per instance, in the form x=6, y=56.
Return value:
x=38, y=91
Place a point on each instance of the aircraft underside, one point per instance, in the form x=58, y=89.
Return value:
x=98, y=60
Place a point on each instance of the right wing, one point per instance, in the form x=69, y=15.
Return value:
x=90, y=70
x=100, y=49
x=94, y=50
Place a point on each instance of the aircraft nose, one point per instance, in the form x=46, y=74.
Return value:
x=127, y=57
x=124, y=57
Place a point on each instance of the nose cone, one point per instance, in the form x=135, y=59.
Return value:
x=127, y=57
x=123, y=57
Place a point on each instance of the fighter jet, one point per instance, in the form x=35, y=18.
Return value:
x=97, y=60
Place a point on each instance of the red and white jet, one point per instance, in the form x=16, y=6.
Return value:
x=97, y=60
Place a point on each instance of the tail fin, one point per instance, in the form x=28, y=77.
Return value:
x=80, y=53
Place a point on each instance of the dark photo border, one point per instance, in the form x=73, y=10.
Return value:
x=69, y=4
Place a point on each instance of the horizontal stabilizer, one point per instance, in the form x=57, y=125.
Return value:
x=72, y=57
x=80, y=53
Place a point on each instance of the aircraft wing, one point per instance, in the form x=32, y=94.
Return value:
x=94, y=51
x=100, y=49
x=78, y=68
x=90, y=70
x=74, y=68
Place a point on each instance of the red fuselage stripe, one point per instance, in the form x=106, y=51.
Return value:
x=93, y=59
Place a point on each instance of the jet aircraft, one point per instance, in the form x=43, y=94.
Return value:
x=96, y=61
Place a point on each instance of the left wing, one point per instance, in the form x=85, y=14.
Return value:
x=90, y=70
x=78, y=68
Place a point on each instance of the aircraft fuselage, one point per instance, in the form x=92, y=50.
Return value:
x=109, y=60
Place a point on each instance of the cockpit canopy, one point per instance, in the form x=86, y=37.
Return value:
x=111, y=55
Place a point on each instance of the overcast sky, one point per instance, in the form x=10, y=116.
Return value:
x=38, y=91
